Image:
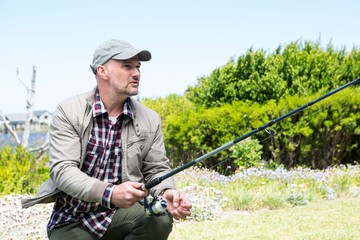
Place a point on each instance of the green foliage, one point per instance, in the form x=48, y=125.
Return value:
x=274, y=199
x=325, y=134
x=299, y=195
x=301, y=67
x=243, y=199
x=196, y=132
x=20, y=172
x=247, y=153
x=257, y=87
x=171, y=104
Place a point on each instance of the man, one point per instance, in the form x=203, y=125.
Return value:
x=103, y=146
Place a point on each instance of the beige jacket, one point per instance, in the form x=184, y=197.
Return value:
x=144, y=156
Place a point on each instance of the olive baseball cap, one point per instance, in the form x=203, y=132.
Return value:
x=118, y=50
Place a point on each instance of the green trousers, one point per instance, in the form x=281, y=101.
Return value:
x=127, y=224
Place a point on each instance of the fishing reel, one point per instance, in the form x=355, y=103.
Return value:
x=154, y=206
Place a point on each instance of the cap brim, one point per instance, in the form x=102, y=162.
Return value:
x=143, y=55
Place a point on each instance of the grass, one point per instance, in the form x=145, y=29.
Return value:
x=259, y=188
x=324, y=219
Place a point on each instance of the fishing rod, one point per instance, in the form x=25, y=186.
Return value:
x=154, y=205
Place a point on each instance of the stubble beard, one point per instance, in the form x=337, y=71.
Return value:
x=127, y=90
x=131, y=91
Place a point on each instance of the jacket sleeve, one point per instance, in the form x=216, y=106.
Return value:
x=65, y=157
x=156, y=163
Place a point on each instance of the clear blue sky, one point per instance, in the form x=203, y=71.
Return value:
x=187, y=39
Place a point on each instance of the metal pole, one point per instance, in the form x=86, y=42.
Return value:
x=158, y=180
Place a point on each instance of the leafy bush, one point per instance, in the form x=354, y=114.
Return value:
x=247, y=153
x=299, y=195
x=20, y=171
x=323, y=135
x=301, y=67
x=242, y=199
x=259, y=86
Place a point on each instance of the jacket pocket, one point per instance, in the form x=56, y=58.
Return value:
x=136, y=142
x=134, y=155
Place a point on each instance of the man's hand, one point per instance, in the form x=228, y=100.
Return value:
x=178, y=205
x=127, y=194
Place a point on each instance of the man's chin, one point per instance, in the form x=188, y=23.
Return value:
x=133, y=93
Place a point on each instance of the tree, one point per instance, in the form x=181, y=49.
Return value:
x=30, y=102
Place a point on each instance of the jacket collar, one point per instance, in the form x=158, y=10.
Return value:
x=90, y=99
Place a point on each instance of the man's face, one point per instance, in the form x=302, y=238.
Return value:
x=124, y=76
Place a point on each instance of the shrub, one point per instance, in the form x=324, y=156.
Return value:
x=244, y=199
x=274, y=199
x=20, y=171
x=247, y=153
x=299, y=195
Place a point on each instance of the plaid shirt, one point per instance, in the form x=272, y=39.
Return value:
x=102, y=161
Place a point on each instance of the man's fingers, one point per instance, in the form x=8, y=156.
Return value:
x=176, y=198
x=180, y=213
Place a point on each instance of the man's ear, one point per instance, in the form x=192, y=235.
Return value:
x=101, y=71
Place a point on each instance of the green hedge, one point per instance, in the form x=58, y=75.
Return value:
x=258, y=86
x=299, y=68
x=20, y=171
x=324, y=134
